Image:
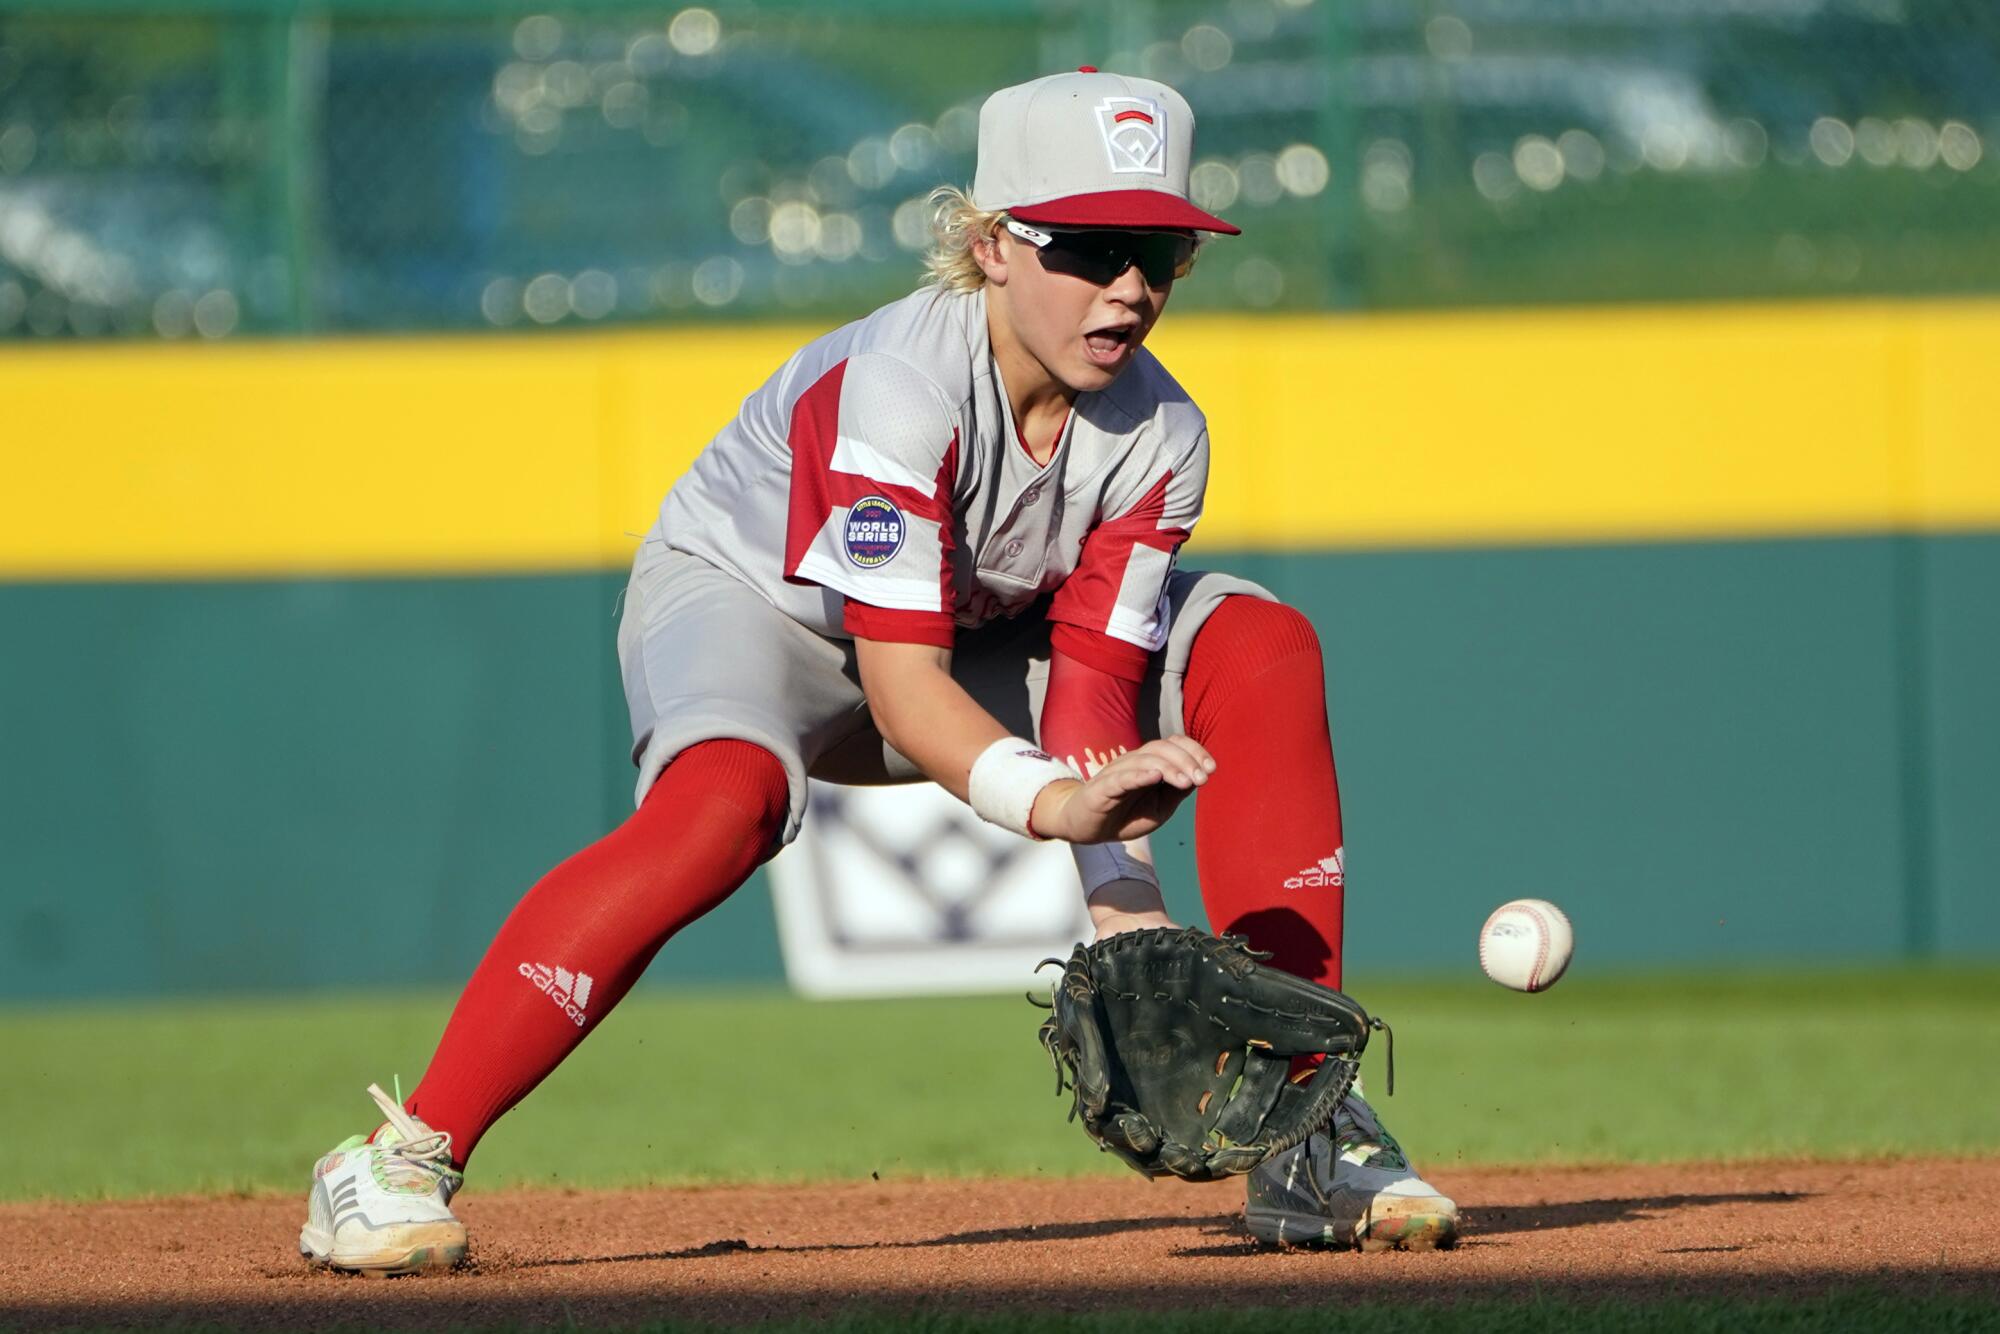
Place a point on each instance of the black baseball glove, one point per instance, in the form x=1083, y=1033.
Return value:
x=1179, y=1048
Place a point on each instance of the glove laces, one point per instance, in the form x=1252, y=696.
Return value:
x=420, y=1157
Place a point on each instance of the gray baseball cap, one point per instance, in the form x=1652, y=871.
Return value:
x=1090, y=150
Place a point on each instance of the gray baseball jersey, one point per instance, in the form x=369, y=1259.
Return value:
x=704, y=657
x=880, y=463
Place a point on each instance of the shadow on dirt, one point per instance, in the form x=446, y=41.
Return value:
x=1485, y=1221
x=1494, y=1220
x=1490, y=1220
x=1104, y=1227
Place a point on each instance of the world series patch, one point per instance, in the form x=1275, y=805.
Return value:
x=874, y=532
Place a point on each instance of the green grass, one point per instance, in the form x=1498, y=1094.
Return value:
x=242, y=1094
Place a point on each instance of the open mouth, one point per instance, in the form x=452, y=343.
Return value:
x=1108, y=345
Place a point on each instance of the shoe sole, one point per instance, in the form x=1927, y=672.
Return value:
x=1421, y=1224
x=1423, y=1227
x=410, y=1248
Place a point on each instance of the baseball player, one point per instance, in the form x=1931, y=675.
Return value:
x=939, y=543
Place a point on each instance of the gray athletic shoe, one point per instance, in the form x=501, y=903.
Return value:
x=1351, y=1186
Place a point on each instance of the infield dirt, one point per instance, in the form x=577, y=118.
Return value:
x=752, y=1254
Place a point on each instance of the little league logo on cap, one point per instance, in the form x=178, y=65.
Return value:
x=874, y=532
x=1135, y=134
x=1090, y=150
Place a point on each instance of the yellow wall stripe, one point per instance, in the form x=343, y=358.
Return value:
x=1619, y=424
x=467, y=454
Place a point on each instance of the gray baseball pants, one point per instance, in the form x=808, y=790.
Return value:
x=705, y=658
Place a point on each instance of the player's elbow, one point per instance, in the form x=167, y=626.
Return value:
x=893, y=680
x=888, y=722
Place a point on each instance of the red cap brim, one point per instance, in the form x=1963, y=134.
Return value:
x=1124, y=208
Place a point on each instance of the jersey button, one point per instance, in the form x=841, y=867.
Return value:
x=1032, y=494
x=1015, y=548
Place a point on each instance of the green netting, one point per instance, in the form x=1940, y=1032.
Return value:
x=241, y=167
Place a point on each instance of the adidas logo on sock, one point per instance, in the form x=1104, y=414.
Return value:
x=1331, y=871
x=570, y=991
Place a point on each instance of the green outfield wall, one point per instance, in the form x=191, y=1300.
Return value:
x=1708, y=752
x=1684, y=617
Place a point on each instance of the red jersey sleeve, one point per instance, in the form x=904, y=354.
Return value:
x=1090, y=714
x=874, y=463
x=1119, y=587
x=897, y=627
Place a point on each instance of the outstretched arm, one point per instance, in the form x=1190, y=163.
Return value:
x=1090, y=716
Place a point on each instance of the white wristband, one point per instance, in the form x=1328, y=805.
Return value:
x=1098, y=864
x=1006, y=779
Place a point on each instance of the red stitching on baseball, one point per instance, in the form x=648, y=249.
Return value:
x=1541, y=949
x=1547, y=939
x=1490, y=919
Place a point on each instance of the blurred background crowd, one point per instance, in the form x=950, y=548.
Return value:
x=218, y=168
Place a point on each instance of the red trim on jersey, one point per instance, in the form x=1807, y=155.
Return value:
x=1100, y=651
x=1089, y=596
x=818, y=491
x=1088, y=715
x=889, y=626
x=947, y=478
x=1022, y=436
x=815, y=429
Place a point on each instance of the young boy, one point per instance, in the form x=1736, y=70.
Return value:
x=931, y=535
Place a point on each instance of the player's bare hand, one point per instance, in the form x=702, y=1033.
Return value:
x=1129, y=797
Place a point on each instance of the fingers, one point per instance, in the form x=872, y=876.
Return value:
x=1177, y=761
x=1187, y=751
x=1140, y=769
x=1195, y=753
x=1180, y=761
x=1172, y=766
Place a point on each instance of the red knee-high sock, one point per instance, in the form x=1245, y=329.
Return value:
x=1267, y=822
x=580, y=938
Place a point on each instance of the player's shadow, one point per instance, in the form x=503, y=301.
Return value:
x=1491, y=1220
x=1488, y=1220
x=1481, y=1222
x=1295, y=944
x=1085, y=1231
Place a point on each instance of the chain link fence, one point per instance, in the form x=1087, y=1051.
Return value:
x=221, y=168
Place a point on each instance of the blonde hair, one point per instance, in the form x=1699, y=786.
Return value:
x=956, y=223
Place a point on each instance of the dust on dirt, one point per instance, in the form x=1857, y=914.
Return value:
x=757, y=1253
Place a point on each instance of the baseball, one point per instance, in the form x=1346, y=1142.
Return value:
x=1525, y=944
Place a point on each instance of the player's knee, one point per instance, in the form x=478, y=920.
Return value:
x=1251, y=648
x=1283, y=629
x=1255, y=632
x=729, y=780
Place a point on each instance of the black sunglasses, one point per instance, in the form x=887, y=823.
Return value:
x=1101, y=256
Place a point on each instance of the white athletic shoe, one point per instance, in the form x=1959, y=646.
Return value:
x=381, y=1204
x=1349, y=1186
